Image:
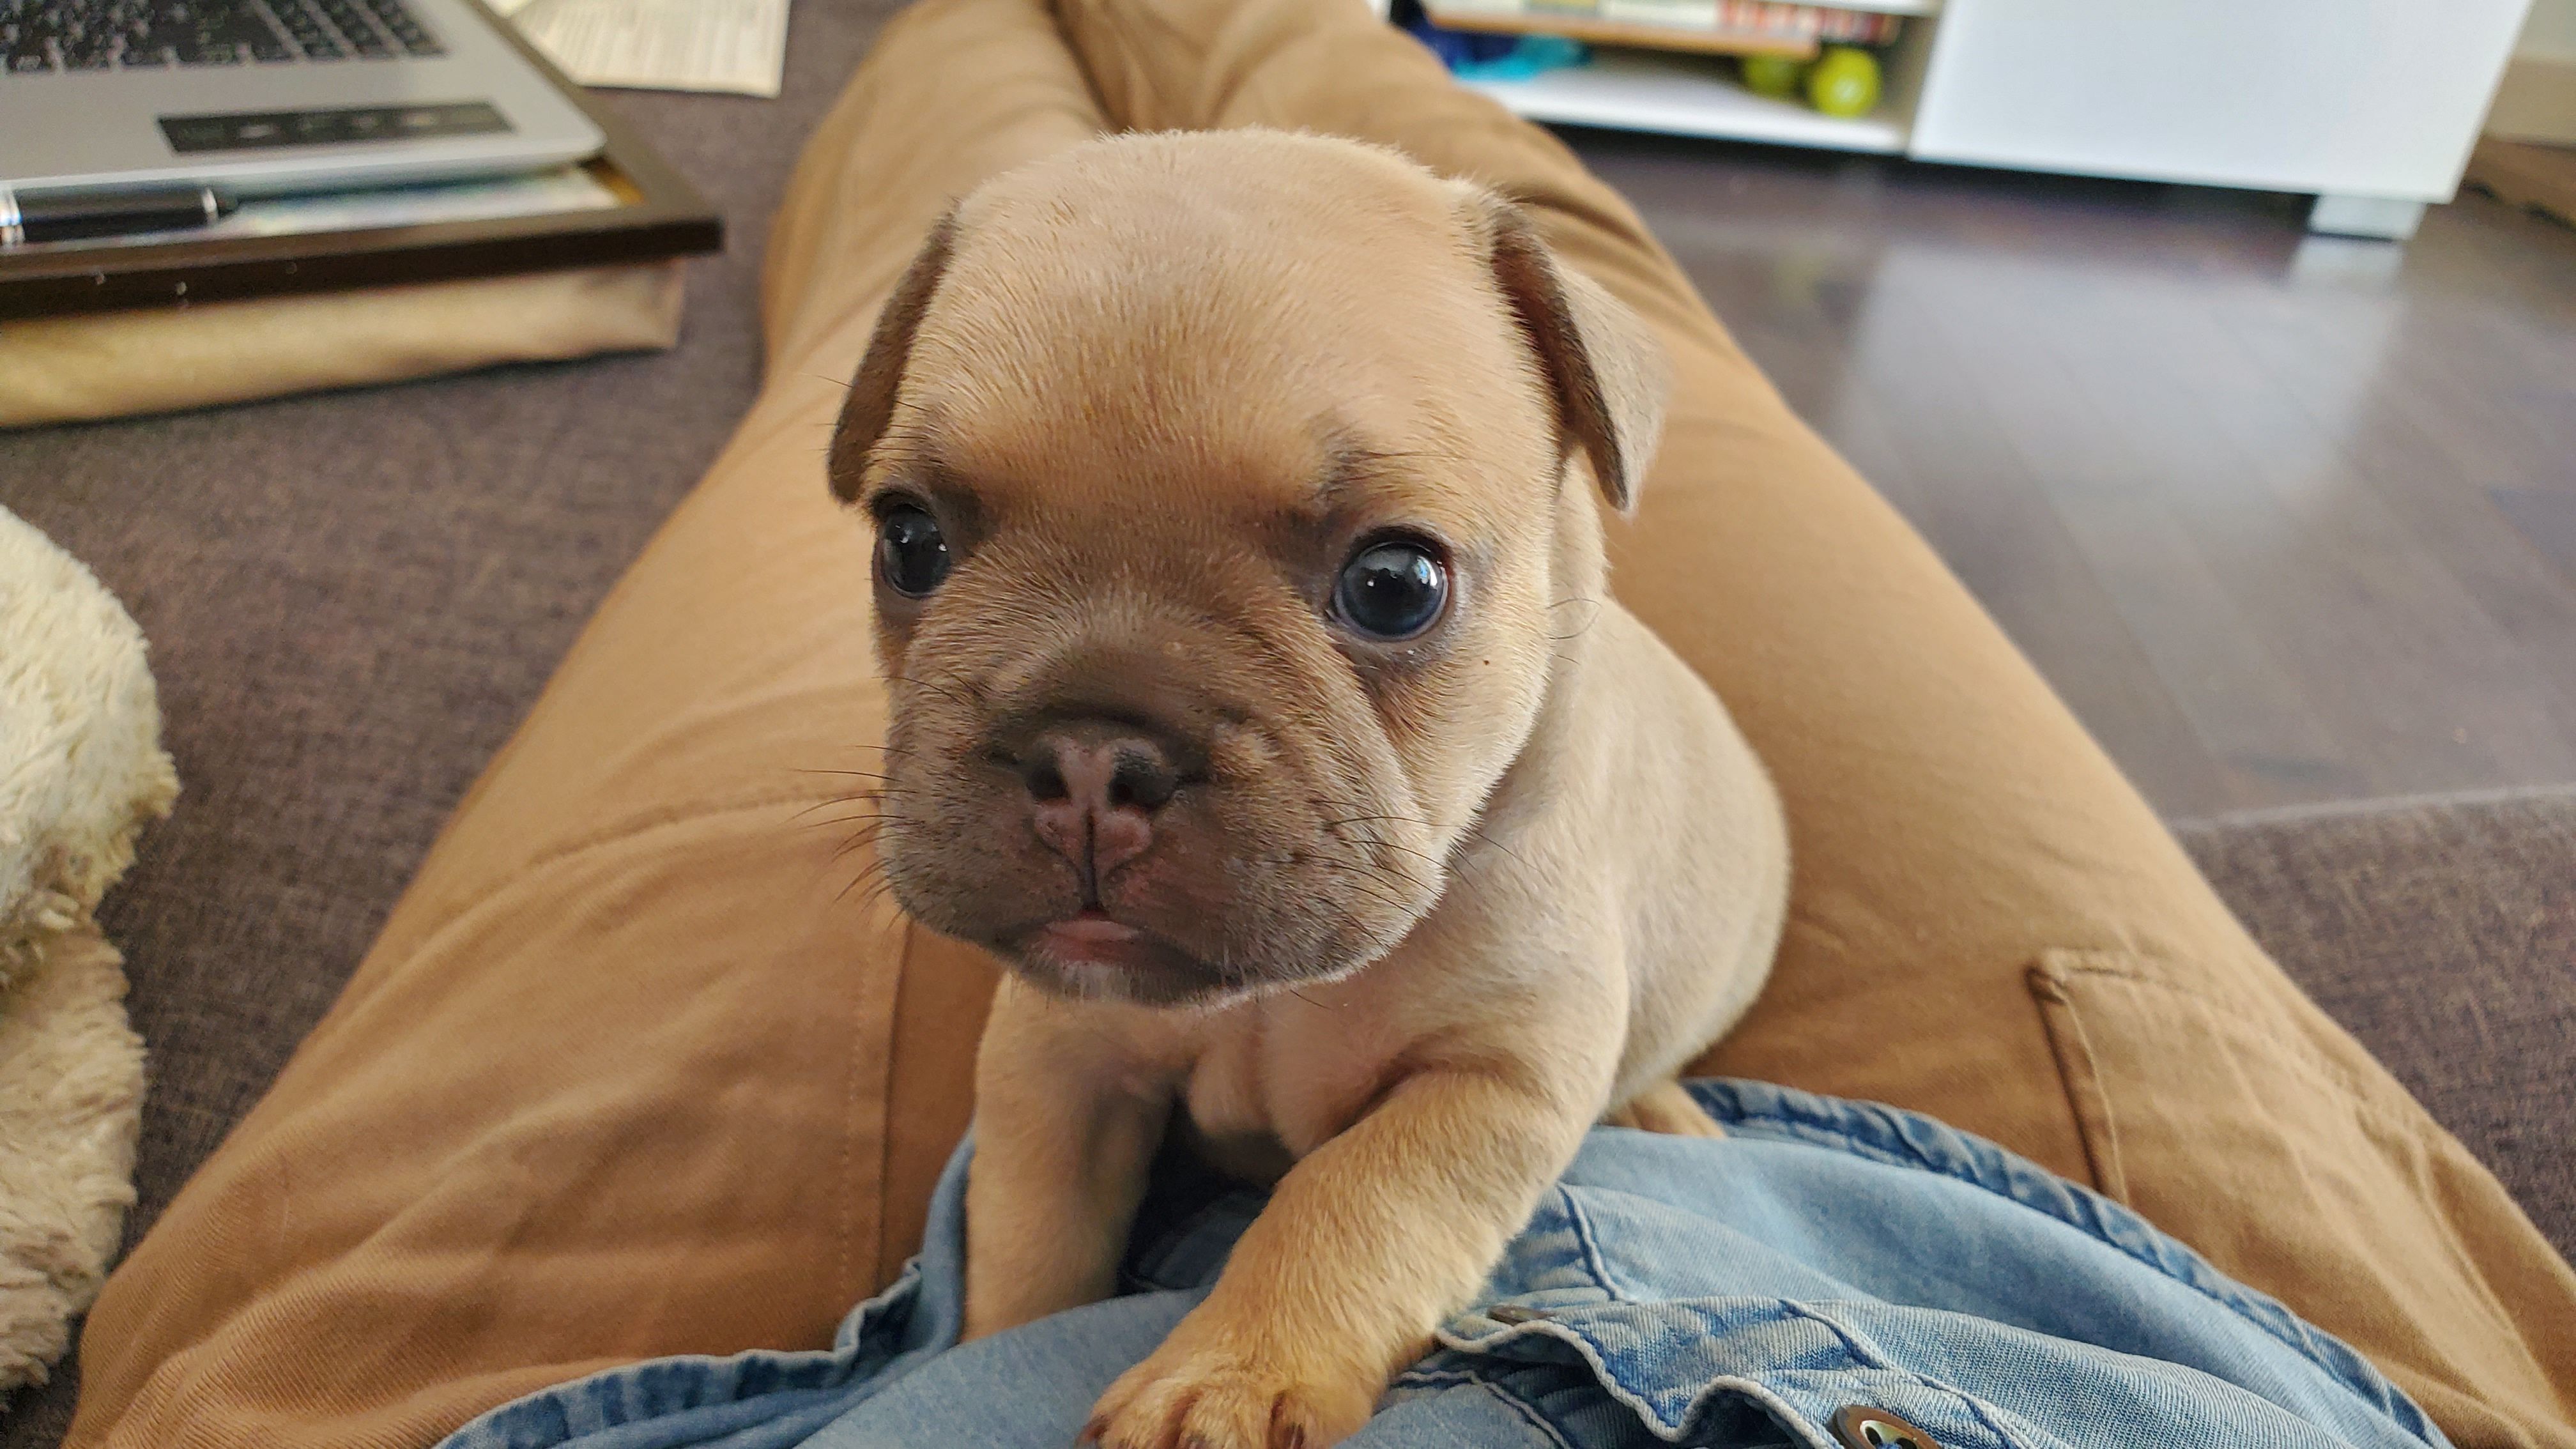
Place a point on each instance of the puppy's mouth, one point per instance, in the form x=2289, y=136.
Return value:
x=1093, y=954
x=1093, y=937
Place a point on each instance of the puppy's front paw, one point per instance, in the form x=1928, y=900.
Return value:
x=1669, y=1108
x=1213, y=1397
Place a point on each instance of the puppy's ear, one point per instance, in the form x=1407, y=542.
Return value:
x=1606, y=371
x=870, y=405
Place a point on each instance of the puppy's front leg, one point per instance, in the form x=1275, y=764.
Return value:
x=1065, y=1131
x=1369, y=1242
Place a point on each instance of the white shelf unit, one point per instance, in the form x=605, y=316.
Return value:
x=2371, y=104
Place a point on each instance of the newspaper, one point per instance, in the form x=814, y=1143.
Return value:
x=734, y=46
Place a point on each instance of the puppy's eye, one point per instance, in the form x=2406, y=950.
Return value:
x=1393, y=588
x=912, y=554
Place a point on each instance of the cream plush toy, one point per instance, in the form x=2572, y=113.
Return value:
x=81, y=770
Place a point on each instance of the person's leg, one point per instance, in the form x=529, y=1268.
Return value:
x=1988, y=924
x=1030, y=1388
x=612, y=1084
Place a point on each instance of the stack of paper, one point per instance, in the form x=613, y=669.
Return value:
x=737, y=46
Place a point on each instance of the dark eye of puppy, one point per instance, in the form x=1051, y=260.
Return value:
x=912, y=554
x=1394, y=587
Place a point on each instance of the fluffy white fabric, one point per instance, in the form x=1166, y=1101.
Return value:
x=81, y=770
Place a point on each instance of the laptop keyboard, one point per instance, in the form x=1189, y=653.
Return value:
x=72, y=35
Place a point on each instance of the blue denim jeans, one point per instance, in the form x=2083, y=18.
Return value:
x=1736, y=1292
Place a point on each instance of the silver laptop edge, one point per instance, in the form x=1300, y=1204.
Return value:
x=478, y=109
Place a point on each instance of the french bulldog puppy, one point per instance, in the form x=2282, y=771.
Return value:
x=1258, y=700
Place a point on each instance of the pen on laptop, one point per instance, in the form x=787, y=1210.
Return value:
x=28, y=217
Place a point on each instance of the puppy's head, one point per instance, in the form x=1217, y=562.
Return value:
x=1226, y=490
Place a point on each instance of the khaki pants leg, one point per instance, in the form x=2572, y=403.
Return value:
x=613, y=1082
x=628, y=1075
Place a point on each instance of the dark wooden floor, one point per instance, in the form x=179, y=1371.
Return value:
x=2284, y=519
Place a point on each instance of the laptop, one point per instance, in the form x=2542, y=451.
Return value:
x=258, y=97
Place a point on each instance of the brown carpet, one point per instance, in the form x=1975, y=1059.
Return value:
x=2442, y=933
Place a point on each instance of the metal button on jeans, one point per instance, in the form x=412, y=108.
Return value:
x=1862, y=1427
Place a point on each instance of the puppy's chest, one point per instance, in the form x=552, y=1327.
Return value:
x=1287, y=1074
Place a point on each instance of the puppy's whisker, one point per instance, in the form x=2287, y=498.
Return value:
x=1369, y=881
x=1378, y=819
x=863, y=819
x=827, y=804
x=1441, y=874
x=1369, y=876
x=1338, y=828
x=862, y=800
x=870, y=828
x=870, y=792
x=877, y=882
x=1372, y=842
x=861, y=840
x=1471, y=830
x=949, y=691
x=870, y=821
x=879, y=746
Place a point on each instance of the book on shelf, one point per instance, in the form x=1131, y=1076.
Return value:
x=1735, y=27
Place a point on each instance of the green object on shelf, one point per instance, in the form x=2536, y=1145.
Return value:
x=1773, y=75
x=1843, y=82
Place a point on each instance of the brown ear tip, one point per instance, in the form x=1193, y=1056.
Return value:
x=845, y=465
x=1506, y=229
x=870, y=405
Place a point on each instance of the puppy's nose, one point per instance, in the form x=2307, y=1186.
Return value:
x=1093, y=790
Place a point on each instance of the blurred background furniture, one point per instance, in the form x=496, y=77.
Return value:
x=2370, y=105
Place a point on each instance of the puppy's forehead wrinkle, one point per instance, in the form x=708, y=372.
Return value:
x=1217, y=179
x=1357, y=472
x=1168, y=304
x=1165, y=369
x=1198, y=382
